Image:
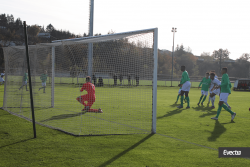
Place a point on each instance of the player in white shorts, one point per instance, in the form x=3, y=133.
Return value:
x=204, y=89
x=214, y=83
x=209, y=99
x=25, y=79
x=224, y=92
x=43, y=78
x=185, y=87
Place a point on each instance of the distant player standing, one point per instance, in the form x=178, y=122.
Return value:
x=90, y=97
x=25, y=79
x=2, y=80
x=3, y=73
x=214, y=83
x=43, y=77
x=224, y=94
x=185, y=87
x=204, y=89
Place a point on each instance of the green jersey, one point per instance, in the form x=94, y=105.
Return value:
x=25, y=77
x=44, y=77
x=184, y=77
x=225, y=84
x=205, y=84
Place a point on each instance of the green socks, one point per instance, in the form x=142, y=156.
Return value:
x=200, y=98
x=226, y=108
x=187, y=98
x=177, y=98
x=218, y=111
x=182, y=97
x=204, y=99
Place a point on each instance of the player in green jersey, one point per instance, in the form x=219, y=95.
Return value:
x=185, y=87
x=206, y=81
x=224, y=92
x=230, y=86
x=25, y=79
x=43, y=78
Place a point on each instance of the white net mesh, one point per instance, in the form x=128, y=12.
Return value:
x=122, y=69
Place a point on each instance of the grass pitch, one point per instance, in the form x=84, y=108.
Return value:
x=185, y=137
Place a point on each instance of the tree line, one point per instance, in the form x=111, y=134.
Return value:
x=11, y=30
x=198, y=66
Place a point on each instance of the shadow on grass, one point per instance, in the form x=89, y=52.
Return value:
x=170, y=113
x=208, y=114
x=126, y=151
x=228, y=122
x=16, y=143
x=174, y=105
x=63, y=116
x=218, y=130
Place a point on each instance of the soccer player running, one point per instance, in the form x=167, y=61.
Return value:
x=224, y=92
x=214, y=83
x=43, y=77
x=25, y=79
x=204, y=89
x=90, y=97
x=185, y=87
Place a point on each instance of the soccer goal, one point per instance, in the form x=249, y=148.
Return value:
x=122, y=66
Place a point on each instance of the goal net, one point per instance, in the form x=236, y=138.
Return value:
x=122, y=66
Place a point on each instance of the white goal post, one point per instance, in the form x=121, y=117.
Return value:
x=117, y=59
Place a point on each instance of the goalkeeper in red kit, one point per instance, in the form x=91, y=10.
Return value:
x=90, y=97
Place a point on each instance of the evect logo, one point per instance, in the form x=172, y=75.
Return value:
x=235, y=152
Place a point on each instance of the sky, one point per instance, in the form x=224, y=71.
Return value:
x=202, y=25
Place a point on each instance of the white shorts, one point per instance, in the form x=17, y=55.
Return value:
x=179, y=92
x=216, y=91
x=43, y=84
x=186, y=86
x=24, y=82
x=224, y=96
x=203, y=92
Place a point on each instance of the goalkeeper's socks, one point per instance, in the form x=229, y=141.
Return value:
x=218, y=111
x=200, y=98
x=177, y=98
x=226, y=108
x=182, y=97
x=204, y=99
x=187, y=98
